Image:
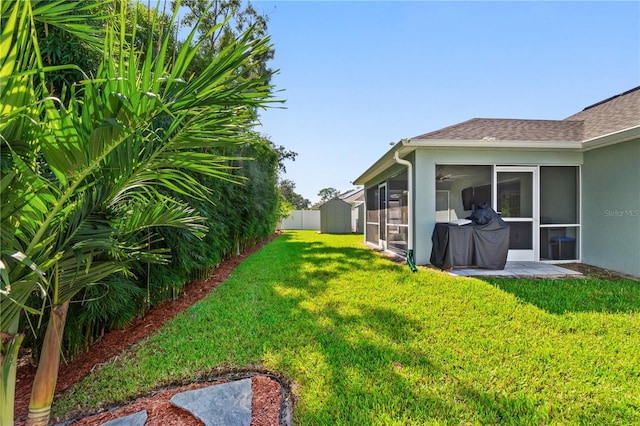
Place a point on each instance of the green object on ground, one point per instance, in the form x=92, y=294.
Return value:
x=411, y=262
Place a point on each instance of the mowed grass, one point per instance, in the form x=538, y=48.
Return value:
x=366, y=342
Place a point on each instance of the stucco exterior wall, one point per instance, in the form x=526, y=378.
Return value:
x=611, y=207
x=425, y=186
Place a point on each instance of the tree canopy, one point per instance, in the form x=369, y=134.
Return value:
x=327, y=194
x=220, y=22
x=287, y=189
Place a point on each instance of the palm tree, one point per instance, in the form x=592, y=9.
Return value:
x=22, y=270
x=88, y=176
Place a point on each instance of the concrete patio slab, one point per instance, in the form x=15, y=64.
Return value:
x=519, y=270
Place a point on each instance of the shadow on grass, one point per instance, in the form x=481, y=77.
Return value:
x=376, y=373
x=575, y=295
x=355, y=348
x=317, y=263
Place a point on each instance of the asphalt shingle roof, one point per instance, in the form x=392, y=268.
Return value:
x=608, y=116
x=611, y=115
x=509, y=130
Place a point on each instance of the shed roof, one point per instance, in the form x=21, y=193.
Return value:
x=334, y=201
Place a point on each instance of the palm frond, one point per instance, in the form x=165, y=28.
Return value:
x=164, y=212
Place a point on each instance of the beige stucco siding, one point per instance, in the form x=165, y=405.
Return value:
x=611, y=207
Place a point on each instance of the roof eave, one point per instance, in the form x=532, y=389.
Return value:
x=611, y=138
x=383, y=163
x=495, y=144
x=406, y=146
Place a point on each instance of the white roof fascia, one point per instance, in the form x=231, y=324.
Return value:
x=382, y=164
x=406, y=146
x=611, y=138
x=494, y=144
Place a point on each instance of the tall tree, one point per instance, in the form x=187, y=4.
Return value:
x=283, y=154
x=287, y=189
x=326, y=194
x=221, y=21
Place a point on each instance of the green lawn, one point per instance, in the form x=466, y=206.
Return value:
x=367, y=342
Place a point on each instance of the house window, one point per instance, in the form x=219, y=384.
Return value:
x=559, y=213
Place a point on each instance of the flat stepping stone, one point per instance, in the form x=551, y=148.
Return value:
x=228, y=404
x=135, y=419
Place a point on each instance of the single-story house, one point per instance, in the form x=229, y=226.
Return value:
x=569, y=189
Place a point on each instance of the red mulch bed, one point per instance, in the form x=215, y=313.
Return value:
x=266, y=391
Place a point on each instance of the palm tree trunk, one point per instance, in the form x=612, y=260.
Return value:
x=9, y=346
x=44, y=384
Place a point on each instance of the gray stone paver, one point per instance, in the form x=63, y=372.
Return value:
x=228, y=404
x=135, y=419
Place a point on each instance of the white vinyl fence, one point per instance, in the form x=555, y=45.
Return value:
x=302, y=219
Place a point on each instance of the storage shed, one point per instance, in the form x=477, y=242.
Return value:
x=335, y=217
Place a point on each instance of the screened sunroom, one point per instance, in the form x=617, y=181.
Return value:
x=568, y=188
x=540, y=203
x=388, y=214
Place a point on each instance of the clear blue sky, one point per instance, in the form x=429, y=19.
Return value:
x=359, y=75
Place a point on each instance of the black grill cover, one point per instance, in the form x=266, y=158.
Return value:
x=483, y=243
x=483, y=214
